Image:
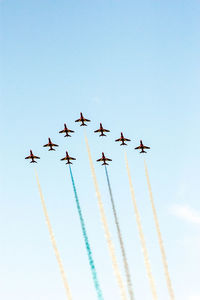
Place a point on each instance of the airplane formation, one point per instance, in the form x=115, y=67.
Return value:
x=101, y=130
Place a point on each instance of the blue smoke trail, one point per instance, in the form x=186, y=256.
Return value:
x=89, y=252
x=125, y=261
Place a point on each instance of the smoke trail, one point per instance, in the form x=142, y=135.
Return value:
x=68, y=292
x=126, y=267
x=106, y=228
x=142, y=240
x=89, y=252
x=164, y=258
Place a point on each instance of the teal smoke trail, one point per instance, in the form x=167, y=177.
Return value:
x=125, y=261
x=89, y=252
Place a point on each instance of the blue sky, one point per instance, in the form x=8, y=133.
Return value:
x=134, y=66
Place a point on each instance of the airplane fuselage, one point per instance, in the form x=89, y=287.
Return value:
x=122, y=138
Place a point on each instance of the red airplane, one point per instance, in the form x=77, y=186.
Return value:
x=122, y=139
x=68, y=158
x=142, y=147
x=83, y=120
x=104, y=159
x=31, y=156
x=102, y=130
x=50, y=145
x=66, y=131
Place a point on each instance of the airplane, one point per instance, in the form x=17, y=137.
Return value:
x=31, y=156
x=122, y=139
x=142, y=147
x=104, y=159
x=102, y=130
x=50, y=145
x=68, y=158
x=66, y=131
x=82, y=119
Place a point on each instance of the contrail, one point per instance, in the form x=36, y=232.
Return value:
x=53, y=241
x=164, y=258
x=106, y=228
x=142, y=239
x=89, y=252
x=125, y=261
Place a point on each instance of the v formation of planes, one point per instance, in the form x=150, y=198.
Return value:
x=102, y=132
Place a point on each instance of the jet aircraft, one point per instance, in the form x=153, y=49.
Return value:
x=122, y=139
x=32, y=156
x=102, y=130
x=68, y=158
x=142, y=147
x=50, y=145
x=83, y=120
x=66, y=131
x=104, y=159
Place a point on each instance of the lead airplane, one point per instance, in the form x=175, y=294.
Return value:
x=122, y=139
x=104, y=159
x=50, y=145
x=102, y=130
x=68, y=158
x=32, y=156
x=142, y=147
x=83, y=120
x=66, y=131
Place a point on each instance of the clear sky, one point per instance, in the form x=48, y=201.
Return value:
x=135, y=67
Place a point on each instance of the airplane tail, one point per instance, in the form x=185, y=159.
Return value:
x=33, y=161
x=104, y=164
x=67, y=134
x=51, y=149
x=123, y=144
x=83, y=124
x=143, y=151
x=102, y=134
x=69, y=163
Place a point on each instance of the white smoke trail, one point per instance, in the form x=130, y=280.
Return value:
x=121, y=242
x=164, y=258
x=106, y=228
x=141, y=234
x=66, y=285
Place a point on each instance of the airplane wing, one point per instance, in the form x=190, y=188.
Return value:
x=106, y=130
x=54, y=145
x=28, y=157
x=86, y=120
x=36, y=157
x=65, y=158
x=79, y=120
x=72, y=158
x=138, y=148
x=108, y=159
x=47, y=145
x=100, y=159
x=118, y=140
x=127, y=140
x=62, y=131
x=145, y=147
x=70, y=130
x=98, y=130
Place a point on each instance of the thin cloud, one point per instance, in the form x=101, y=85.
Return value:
x=187, y=213
x=194, y=297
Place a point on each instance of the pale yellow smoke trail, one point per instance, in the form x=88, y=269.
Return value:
x=68, y=292
x=106, y=228
x=162, y=249
x=141, y=234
